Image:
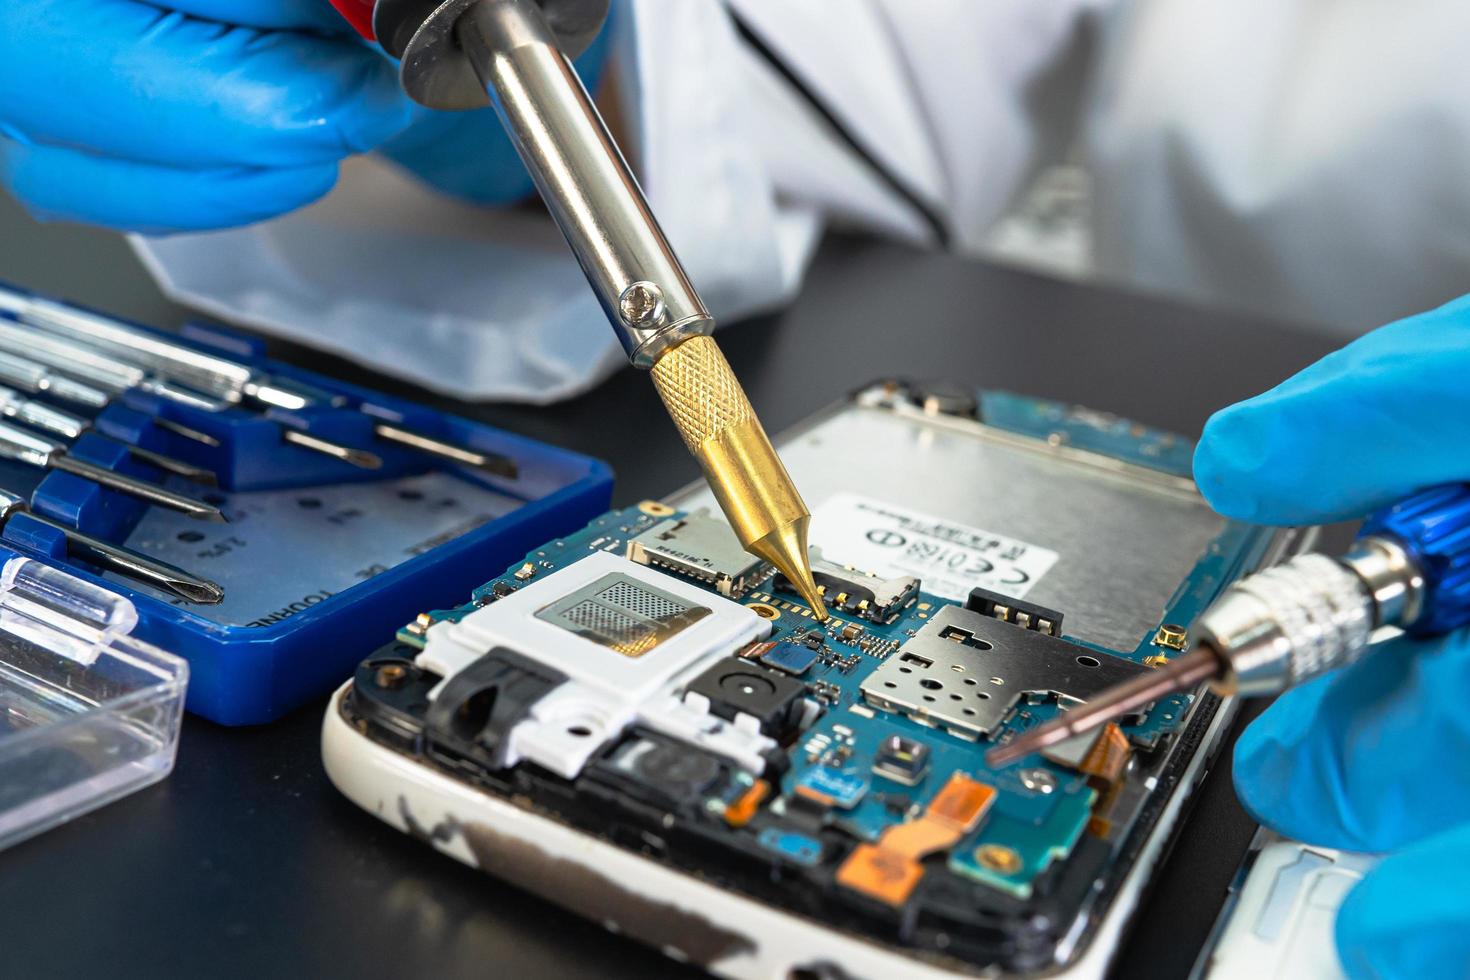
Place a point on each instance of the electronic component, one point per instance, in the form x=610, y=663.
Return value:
x=476, y=709
x=903, y=760
x=622, y=635
x=965, y=672
x=828, y=786
x=858, y=593
x=797, y=848
x=701, y=547
x=890, y=870
x=734, y=687
x=790, y=658
x=631, y=618
x=1172, y=636
x=655, y=768
x=1102, y=755
x=1027, y=615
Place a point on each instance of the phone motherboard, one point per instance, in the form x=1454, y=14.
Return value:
x=654, y=686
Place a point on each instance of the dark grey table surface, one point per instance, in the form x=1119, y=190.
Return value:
x=246, y=862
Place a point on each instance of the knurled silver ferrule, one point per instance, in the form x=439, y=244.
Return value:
x=1284, y=625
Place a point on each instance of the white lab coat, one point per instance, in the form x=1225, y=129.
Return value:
x=1303, y=158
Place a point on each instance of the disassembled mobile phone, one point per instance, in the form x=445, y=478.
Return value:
x=644, y=724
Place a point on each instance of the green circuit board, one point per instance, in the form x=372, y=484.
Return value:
x=1041, y=807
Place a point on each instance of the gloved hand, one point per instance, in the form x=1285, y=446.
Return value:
x=183, y=115
x=1373, y=757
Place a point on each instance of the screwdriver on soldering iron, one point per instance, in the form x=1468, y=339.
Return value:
x=513, y=54
x=1409, y=568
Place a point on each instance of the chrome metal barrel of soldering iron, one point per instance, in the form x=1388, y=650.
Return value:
x=583, y=178
x=464, y=50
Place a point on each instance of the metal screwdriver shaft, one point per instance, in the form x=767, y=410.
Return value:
x=115, y=375
x=1409, y=568
x=35, y=450
x=1196, y=667
x=18, y=408
x=161, y=575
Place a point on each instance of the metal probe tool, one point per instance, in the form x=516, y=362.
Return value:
x=39, y=415
x=37, y=450
x=106, y=342
x=116, y=376
x=1409, y=568
x=159, y=574
x=457, y=54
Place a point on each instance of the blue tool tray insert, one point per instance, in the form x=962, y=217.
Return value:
x=320, y=558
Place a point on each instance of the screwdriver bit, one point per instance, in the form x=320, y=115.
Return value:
x=35, y=450
x=159, y=574
x=15, y=406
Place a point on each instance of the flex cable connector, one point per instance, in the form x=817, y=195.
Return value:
x=746, y=476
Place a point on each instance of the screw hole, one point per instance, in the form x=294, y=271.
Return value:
x=928, y=697
x=905, y=670
x=1089, y=661
x=930, y=684
x=190, y=536
x=971, y=681
x=580, y=731
x=982, y=696
x=889, y=684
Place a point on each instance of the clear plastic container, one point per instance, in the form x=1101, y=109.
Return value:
x=87, y=713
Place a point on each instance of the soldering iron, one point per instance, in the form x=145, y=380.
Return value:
x=513, y=54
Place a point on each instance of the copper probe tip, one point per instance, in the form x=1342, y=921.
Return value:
x=1199, y=664
x=786, y=548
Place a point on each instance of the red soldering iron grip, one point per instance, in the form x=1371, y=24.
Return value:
x=359, y=14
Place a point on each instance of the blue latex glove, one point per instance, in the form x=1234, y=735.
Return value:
x=185, y=115
x=1375, y=757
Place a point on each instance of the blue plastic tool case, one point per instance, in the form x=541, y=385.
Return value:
x=320, y=559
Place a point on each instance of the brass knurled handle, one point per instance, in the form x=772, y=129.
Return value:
x=701, y=392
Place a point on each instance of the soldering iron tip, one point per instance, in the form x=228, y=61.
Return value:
x=786, y=548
